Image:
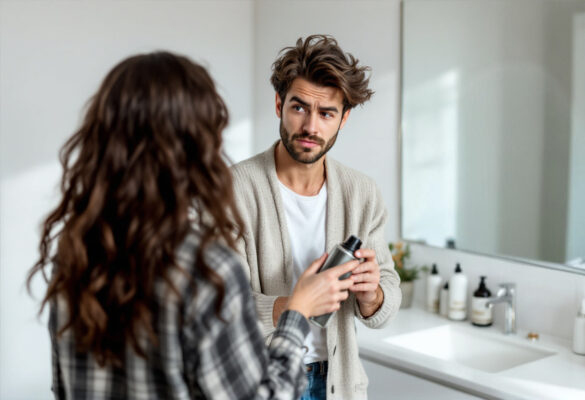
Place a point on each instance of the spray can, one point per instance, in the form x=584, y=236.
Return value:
x=342, y=253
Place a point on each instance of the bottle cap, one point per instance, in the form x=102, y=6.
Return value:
x=434, y=271
x=458, y=268
x=352, y=243
x=482, y=290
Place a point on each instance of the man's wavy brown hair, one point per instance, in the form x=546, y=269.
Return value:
x=149, y=152
x=320, y=60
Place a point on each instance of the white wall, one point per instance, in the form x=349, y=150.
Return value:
x=53, y=54
x=369, y=30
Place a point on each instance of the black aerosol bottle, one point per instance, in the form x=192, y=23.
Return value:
x=342, y=253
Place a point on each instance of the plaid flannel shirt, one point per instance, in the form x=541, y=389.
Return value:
x=198, y=355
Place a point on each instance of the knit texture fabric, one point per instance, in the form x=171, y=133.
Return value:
x=354, y=207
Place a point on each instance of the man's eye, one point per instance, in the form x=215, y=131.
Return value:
x=326, y=114
x=298, y=108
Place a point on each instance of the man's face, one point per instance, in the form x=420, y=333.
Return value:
x=310, y=119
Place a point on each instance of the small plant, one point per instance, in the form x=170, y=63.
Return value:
x=400, y=253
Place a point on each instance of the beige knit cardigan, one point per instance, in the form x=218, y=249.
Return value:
x=354, y=207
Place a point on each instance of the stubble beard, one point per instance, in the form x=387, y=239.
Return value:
x=301, y=156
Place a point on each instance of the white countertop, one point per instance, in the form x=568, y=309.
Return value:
x=560, y=376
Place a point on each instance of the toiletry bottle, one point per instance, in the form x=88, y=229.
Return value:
x=579, y=332
x=458, y=295
x=342, y=253
x=433, y=290
x=444, y=301
x=481, y=315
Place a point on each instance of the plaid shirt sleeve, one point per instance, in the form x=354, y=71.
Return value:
x=233, y=360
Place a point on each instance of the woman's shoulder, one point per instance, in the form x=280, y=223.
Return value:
x=221, y=259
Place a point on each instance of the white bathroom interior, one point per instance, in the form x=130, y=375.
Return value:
x=475, y=136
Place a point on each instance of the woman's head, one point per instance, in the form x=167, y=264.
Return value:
x=148, y=150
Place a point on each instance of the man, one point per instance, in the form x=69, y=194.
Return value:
x=297, y=203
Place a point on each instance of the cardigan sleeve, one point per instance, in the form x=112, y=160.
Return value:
x=252, y=193
x=389, y=280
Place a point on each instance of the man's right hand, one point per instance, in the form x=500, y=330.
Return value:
x=317, y=293
x=279, y=307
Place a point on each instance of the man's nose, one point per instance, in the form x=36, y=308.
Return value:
x=311, y=123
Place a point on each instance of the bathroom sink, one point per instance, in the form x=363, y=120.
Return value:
x=469, y=347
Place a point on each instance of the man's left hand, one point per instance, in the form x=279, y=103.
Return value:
x=366, y=279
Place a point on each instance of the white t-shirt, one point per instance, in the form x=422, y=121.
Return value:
x=305, y=218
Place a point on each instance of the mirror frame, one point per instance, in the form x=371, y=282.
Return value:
x=502, y=257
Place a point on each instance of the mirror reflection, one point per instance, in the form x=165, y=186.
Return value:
x=493, y=127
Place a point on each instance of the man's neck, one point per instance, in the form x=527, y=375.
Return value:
x=304, y=179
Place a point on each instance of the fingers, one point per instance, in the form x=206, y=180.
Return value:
x=363, y=278
x=363, y=287
x=366, y=266
x=345, y=284
x=343, y=268
x=368, y=254
x=338, y=299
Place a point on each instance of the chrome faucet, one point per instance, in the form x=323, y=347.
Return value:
x=507, y=295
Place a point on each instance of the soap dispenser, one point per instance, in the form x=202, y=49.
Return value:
x=481, y=314
x=579, y=332
x=433, y=290
x=458, y=295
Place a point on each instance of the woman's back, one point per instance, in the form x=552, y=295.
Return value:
x=145, y=302
x=197, y=355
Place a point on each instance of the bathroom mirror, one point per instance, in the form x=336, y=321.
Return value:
x=493, y=128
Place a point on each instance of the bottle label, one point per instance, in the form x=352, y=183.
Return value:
x=457, y=305
x=457, y=310
x=480, y=313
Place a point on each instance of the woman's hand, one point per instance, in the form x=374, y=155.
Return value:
x=321, y=293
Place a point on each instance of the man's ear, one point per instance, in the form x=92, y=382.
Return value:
x=344, y=118
x=278, y=104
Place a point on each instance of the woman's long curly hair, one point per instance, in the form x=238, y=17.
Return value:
x=148, y=152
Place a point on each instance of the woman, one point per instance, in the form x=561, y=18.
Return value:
x=147, y=299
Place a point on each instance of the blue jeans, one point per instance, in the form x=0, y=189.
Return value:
x=317, y=376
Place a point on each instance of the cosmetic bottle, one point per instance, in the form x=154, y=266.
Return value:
x=481, y=315
x=342, y=253
x=433, y=290
x=458, y=295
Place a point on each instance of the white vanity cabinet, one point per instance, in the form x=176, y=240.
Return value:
x=389, y=384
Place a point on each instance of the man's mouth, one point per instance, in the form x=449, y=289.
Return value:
x=307, y=143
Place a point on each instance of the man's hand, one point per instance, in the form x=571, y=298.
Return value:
x=279, y=307
x=366, y=279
